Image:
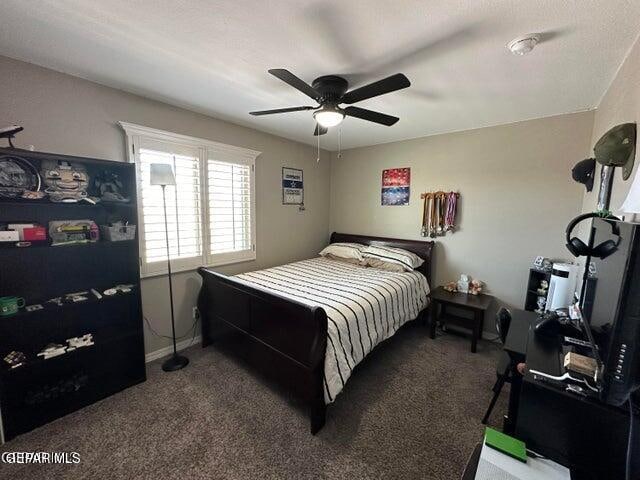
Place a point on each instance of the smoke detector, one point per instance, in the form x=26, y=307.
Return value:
x=523, y=45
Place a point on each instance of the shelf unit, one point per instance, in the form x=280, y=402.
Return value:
x=536, y=276
x=42, y=390
x=531, y=297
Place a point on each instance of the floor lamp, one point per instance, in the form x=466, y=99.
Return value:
x=162, y=174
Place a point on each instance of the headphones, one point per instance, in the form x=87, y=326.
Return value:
x=579, y=249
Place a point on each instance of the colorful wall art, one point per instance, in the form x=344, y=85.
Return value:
x=395, y=186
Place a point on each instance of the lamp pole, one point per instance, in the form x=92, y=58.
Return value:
x=176, y=362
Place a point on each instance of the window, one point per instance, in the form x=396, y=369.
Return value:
x=211, y=209
x=229, y=199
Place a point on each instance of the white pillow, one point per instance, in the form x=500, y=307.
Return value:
x=373, y=254
x=344, y=250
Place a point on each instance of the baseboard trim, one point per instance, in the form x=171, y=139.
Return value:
x=163, y=352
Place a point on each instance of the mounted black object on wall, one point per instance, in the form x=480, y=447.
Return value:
x=162, y=174
x=583, y=172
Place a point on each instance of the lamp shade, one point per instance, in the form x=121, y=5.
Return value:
x=161, y=174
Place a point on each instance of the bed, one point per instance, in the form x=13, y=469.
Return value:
x=308, y=324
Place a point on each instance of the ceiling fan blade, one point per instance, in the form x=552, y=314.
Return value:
x=287, y=77
x=281, y=110
x=386, y=85
x=371, y=116
x=320, y=130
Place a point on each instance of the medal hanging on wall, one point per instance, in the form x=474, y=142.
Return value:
x=439, y=211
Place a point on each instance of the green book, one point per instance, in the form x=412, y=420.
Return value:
x=505, y=444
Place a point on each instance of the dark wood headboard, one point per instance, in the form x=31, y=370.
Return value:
x=424, y=249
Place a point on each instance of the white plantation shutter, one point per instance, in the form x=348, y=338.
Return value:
x=210, y=210
x=184, y=213
x=230, y=211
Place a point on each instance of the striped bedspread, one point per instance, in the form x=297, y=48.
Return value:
x=364, y=306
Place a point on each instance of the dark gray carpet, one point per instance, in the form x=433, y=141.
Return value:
x=412, y=410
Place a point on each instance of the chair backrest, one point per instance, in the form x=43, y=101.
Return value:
x=503, y=320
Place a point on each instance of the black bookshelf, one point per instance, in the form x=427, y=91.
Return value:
x=42, y=390
x=531, y=296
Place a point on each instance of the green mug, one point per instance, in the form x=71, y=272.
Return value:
x=10, y=305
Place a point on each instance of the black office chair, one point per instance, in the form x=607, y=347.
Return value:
x=504, y=372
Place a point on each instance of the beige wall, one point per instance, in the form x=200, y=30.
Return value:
x=516, y=187
x=620, y=104
x=72, y=116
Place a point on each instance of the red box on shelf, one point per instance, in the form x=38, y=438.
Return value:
x=35, y=234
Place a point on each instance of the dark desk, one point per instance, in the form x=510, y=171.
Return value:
x=579, y=432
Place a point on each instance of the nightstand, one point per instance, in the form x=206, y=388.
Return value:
x=477, y=305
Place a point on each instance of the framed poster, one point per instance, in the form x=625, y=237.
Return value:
x=395, y=186
x=292, y=186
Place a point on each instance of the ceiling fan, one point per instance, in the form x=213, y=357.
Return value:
x=330, y=91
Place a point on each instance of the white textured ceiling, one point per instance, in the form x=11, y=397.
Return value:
x=213, y=56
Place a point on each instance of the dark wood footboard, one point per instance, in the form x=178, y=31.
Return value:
x=284, y=338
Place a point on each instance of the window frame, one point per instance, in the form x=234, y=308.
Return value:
x=208, y=150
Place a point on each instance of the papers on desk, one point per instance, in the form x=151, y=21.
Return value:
x=494, y=465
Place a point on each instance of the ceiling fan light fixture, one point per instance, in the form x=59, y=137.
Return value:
x=330, y=91
x=329, y=116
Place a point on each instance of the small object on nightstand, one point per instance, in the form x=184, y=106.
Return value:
x=463, y=283
x=451, y=287
x=475, y=287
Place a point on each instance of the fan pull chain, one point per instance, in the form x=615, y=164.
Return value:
x=318, y=157
x=340, y=142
